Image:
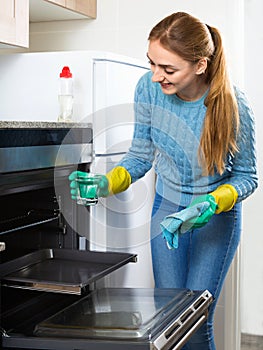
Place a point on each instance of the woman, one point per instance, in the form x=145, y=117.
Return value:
x=198, y=131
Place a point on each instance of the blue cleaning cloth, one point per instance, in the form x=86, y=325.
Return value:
x=175, y=224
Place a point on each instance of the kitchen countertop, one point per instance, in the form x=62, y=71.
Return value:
x=41, y=125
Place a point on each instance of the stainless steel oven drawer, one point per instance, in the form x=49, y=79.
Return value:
x=119, y=318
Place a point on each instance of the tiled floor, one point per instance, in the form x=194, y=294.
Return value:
x=251, y=342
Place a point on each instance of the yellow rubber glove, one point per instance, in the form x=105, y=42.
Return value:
x=225, y=197
x=222, y=199
x=119, y=180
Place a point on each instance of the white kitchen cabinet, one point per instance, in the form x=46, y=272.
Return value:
x=14, y=22
x=15, y=16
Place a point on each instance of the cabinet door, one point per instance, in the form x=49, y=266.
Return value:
x=14, y=22
x=85, y=7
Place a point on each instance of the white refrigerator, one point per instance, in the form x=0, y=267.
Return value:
x=120, y=222
x=103, y=89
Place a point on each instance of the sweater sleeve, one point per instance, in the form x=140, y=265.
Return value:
x=244, y=168
x=140, y=156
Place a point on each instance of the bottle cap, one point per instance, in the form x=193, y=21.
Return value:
x=65, y=73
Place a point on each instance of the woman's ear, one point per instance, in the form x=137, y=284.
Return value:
x=201, y=66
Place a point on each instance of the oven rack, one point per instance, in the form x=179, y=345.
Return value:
x=29, y=219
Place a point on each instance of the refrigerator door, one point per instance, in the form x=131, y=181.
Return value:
x=114, y=84
x=120, y=222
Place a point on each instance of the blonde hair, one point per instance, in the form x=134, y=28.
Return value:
x=193, y=40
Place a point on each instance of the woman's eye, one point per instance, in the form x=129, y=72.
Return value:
x=166, y=69
x=169, y=71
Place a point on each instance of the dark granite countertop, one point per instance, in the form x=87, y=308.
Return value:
x=41, y=125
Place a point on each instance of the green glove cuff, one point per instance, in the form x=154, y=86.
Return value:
x=203, y=219
x=119, y=180
x=225, y=197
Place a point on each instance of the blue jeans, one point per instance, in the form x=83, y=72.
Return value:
x=200, y=262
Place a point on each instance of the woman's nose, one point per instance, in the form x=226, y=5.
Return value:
x=157, y=74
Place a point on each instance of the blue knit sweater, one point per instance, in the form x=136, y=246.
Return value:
x=167, y=135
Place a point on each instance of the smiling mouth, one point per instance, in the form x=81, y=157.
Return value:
x=166, y=85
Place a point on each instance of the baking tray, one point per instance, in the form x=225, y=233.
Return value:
x=61, y=270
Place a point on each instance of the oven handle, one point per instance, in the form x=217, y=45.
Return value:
x=167, y=345
x=196, y=314
x=191, y=331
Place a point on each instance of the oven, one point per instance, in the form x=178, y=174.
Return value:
x=50, y=298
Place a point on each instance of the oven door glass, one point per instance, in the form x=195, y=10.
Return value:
x=117, y=313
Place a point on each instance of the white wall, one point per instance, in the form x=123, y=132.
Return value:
x=252, y=245
x=122, y=26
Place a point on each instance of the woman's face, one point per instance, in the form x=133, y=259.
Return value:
x=175, y=75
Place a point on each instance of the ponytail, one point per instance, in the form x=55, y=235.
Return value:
x=222, y=119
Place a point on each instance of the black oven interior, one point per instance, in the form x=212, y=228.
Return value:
x=31, y=220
